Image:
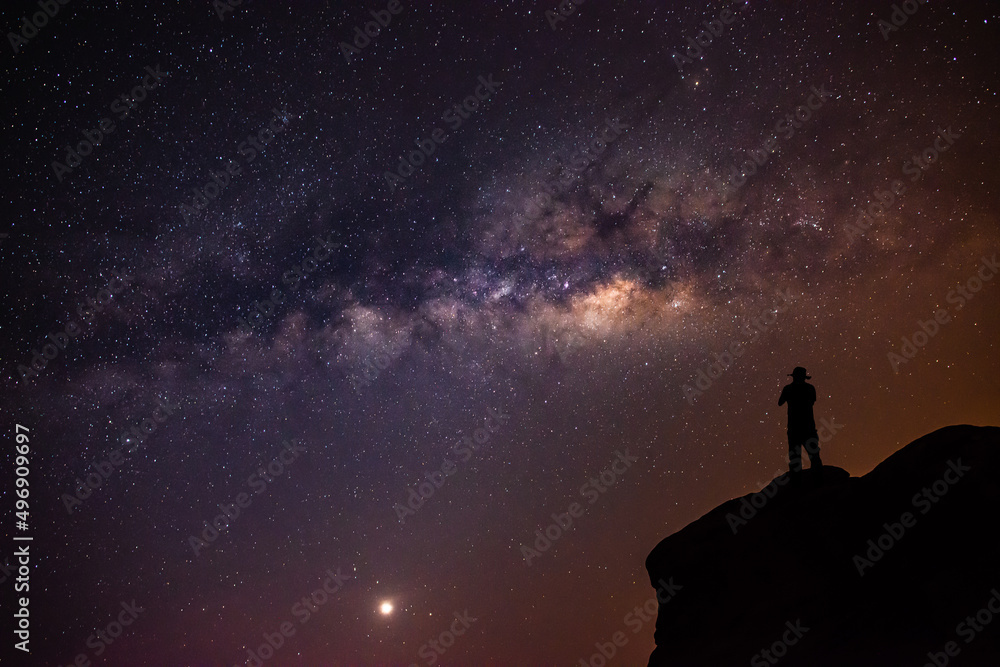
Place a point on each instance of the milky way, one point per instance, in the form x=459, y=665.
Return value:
x=391, y=287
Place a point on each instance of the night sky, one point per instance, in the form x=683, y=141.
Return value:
x=518, y=262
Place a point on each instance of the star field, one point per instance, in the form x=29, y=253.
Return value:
x=496, y=319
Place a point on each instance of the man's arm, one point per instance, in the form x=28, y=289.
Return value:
x=781, y=399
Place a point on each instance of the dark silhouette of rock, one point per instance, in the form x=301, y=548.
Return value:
x=824, y=569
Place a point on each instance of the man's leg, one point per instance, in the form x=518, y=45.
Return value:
x=812, y=448
x=794, y=453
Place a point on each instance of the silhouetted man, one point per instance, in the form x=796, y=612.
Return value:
x=800, y=396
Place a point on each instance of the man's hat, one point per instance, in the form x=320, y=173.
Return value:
x=800, y=372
